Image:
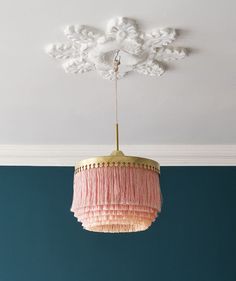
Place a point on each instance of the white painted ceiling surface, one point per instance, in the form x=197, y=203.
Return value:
x=192, y=103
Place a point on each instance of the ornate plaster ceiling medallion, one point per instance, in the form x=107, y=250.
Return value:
x=90, y=49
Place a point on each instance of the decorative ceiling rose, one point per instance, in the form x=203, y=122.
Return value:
x=90, y=49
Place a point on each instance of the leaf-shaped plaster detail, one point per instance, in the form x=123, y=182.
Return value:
x=90, y=49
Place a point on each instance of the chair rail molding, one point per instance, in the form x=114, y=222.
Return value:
x=166, y=155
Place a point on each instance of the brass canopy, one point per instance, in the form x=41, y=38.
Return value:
x=117, y=158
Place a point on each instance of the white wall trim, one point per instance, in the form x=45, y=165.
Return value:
x=166, y=155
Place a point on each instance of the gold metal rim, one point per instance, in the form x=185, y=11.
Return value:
x=117, y=160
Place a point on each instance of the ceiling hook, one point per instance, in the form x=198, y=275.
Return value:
x=116, y=61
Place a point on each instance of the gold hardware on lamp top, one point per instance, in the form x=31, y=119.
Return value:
x=117, y=158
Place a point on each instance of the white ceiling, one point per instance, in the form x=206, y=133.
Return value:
x=193, y=103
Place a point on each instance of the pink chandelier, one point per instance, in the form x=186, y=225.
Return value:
x=116, y=193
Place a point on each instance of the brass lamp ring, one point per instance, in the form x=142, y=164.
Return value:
x=110, y=161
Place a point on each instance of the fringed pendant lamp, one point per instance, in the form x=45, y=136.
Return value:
x=116, y=193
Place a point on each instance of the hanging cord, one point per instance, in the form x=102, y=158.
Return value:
x=116, y=69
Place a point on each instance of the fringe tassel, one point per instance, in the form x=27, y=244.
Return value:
x=116, y=199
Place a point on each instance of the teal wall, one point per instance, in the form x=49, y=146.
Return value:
x=194, y=240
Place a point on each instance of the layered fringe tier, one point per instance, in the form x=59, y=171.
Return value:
x=116, y=199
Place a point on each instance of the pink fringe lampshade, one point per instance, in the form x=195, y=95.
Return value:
x=116, y=193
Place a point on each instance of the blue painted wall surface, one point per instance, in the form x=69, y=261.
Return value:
x=194, y=240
